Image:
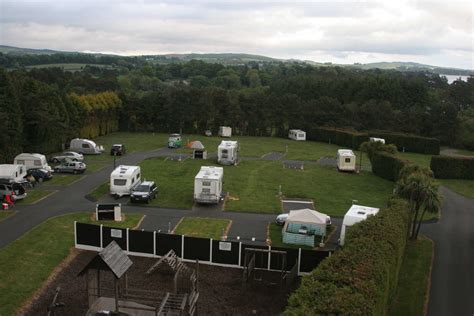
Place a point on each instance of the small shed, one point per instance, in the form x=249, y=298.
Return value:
x=108, y=211
x=303, y=225
x=199, y=151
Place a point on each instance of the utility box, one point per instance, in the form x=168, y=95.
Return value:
x=108, y=212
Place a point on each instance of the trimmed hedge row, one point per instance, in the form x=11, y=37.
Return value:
x=387, y=166
x=346, y=138
x=411, y=143
x=447, y=167
x=360, y=279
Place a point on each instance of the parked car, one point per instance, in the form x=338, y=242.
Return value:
x=117, y=150
x=39, y=174
x=16, y=191
x=72, y=167
x=281, y=219
x=144, y=192
x=68, y=155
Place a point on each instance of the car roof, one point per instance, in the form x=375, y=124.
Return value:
x=147, y=182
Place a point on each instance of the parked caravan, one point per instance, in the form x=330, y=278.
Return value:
x=12, y=173
x=356, y=214
x=375, y=139
x=85, y=146
x=228, y=152
x=208, y=185
x=123, y=179
x=346, y=160
x=175, y=141
x=225, y=131
x=297, y=134
x=32, y=161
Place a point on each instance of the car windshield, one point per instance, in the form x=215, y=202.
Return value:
x=141, y=188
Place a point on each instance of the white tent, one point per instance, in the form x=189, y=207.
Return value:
x=302, y=225
x=196, y=145
x=306, y=216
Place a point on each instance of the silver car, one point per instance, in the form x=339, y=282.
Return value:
x=16, y=191
x=68, y=156
x=71, y=167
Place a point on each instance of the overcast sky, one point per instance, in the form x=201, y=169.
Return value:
x=432, y=32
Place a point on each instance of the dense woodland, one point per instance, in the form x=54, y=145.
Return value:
x=42, y=108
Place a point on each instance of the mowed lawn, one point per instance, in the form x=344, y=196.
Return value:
x=253, y=185
x=27, y=262
x=202, y=227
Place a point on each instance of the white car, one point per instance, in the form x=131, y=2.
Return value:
x=281, y=219
x=68, y=155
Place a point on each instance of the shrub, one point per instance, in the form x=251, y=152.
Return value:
x=411, y=143
x=386, y=165
x=346, y=138
x=360, y=279
x=446, y=167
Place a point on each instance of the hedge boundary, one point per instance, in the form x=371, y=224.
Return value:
x=411, y=143
x=448, y=167
x=387, y=166
x=346, y=138
x=360, y=279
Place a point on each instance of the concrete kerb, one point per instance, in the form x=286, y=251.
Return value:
x=176, y=226
x=44, y=197
x=428, y=284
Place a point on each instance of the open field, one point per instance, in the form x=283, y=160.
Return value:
x=100, y=191
x=202, y=227
x=133, y=142
x=413, y=278
x=28, y=262
x=463, y=187
x=71, y=66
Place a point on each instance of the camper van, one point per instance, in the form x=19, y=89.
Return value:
x=225, y=131
x=346, y=160
x=85, y=146
x=356, y=214
x=175, y=141
x=208, y=185
x=123, y=179
x=375, y=139
x=12, y=173
x=227, y=152
x=297, y=134
x=32, y=161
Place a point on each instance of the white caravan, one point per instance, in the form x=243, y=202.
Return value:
x=375, y=139
x=297, y=134
x=346, y=160
x=13, y=173
x=227, y=152
x=356, y=214
x=85, y=146
x=32, y=161
x=123, y=179
x=208, y=185
x=225, y=131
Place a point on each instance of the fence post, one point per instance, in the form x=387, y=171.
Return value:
x=182, y=246
x=101, y=239
x=240, y=253
x=269, y=256
x=154, y=243
x=299, y=260
x=210, y=254
x=75, y=234
x=127, y=243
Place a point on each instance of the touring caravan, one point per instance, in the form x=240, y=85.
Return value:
x=375, y=139
x=208, y=185
x=123, y=179
x=227, y=152
x=297, y=134
x=175, y=141
x=85, y=146
x=356, y=214
x=12, y=173
x=225, y=131
x=32, y=161
x=346, y=160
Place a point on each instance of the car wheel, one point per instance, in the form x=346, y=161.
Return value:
x=74, y=171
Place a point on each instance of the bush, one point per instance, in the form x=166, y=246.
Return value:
x=346, y=138
x=387, y=166
x=360, y=279
x=446, y=167
x=411, y=143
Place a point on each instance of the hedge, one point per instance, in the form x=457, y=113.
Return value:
x=346, y=138
x=447, y=167
x=411, y=143
x=360, y=279
x=387, y=166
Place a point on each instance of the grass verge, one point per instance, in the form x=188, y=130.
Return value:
x=5, y=213
x=63, y=179
x=28, y=261
x=202, y=227
x=463, y=187
x=99, y=192
x=414, y=278
x=34, y=196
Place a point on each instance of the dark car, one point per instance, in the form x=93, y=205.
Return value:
x=39, y=174
x=117, y=150
x=144, y=192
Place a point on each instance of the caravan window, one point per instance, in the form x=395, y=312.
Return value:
x=301, y=135
x=85, y=145
x=206, y=183
x=20, y=162
x=347, y=160
x=37, y=163
x=205, y=190
x=120, y=181
x=138, y=176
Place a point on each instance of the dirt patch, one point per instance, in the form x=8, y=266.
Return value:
x=221, y=289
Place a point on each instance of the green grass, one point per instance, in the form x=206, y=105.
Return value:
x=133, y=142
x=28, y=261
x=419, y=159
x=276, y=236
x=33, y=196
x=100, y=191
x=202, y=227
x=62, y=179
x=463, y=187
x=72, y=66
x=413, y=278
x=5, y=213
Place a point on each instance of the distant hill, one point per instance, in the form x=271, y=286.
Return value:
x=240, y=58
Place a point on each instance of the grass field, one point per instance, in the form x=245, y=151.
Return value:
x=5, y=213
x=133, y=142
x=33, y=196
x=463, y=187
x=202, y=227
x=28, y=261
x=419, y=159
x=62, y=179
x=413, y=278
x=255, y=184
x=72, y=66
x=100, y=191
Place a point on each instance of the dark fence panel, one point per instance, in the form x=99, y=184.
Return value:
x=166, y=242
x=221, y=254
x=291, y=258
x=88, y=234
x=261, y=258
x=140, y=241
x=197, y=248
x=117, y=234
x=310, y=259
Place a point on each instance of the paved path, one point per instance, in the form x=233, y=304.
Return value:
x=452, y=278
